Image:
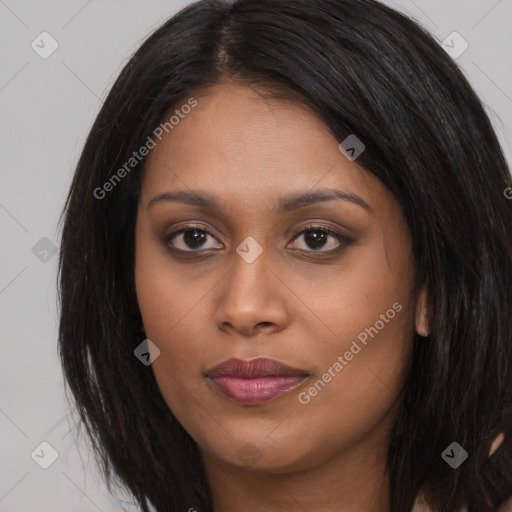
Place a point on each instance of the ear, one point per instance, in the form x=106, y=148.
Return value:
x=422, y=319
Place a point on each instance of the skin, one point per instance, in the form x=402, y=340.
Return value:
x=293, y=303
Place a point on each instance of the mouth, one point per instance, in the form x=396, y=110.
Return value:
x=256, y=381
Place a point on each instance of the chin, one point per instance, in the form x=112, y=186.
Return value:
x=264, y=453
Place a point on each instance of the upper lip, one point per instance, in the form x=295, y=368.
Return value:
x=254, y=368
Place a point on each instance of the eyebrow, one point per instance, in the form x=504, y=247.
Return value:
x=285, y=203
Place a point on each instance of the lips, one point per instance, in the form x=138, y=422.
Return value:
x=256, y=381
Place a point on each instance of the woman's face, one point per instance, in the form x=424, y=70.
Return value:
x=254, y=184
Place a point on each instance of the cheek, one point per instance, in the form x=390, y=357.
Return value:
x=164, y=310
x=354, y=296
x=171, y=311
x=166, y=315
x=370, y=328
x=163, y=294
x=351, y=398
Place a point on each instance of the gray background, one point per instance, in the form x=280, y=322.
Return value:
x=47, y=107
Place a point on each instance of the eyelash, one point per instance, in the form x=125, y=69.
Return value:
x=343, y=239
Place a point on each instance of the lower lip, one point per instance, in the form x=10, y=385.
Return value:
x=255, y=391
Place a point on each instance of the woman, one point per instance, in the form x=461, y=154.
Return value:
x=286, y=268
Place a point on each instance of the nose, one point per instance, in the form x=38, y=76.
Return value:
x=251, y=299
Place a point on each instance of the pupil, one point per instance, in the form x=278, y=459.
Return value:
x=315, y=239
x=196, y=238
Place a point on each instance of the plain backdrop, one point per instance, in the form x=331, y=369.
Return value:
x=47, y=106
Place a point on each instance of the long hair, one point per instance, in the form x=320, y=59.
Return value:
x=364, y=69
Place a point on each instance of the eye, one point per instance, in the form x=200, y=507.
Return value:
x=316, y=238
x=190, y=239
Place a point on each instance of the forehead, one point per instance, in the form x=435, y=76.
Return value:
x=241, y=146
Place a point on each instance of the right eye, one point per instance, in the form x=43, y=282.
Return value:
x=189, y=239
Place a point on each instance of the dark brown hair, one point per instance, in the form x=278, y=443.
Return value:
x=365, y=69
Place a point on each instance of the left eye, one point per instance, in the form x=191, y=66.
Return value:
x=316, y=238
